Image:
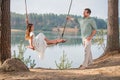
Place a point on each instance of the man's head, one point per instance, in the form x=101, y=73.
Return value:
x=87, y=12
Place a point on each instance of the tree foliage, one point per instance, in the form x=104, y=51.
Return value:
x=21, y=50
x=48, y=21
x=64, y=62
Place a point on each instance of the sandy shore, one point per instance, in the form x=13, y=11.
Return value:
x=103, y=69
x=16, y=30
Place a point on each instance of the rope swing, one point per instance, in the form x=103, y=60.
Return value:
x=26, y=12
x=66, y=20
x=40, y=42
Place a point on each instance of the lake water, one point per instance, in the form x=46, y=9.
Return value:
x=73, y=48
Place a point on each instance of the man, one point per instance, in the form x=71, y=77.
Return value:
x=88, y=30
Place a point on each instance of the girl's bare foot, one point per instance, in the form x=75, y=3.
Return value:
x=61, y=40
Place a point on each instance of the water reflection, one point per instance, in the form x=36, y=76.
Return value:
x=73, y=48
x=72, y=38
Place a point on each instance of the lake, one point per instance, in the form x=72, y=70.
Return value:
x=73, y=48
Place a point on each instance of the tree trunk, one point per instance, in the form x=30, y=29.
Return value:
x=0, y=27
x=113, y=27
x=5, y=46
x=0, y=13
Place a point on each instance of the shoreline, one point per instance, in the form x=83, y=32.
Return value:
x=17, y=30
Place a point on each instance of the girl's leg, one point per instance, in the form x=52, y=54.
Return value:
x=55, y=41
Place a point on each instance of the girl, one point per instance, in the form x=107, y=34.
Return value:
x=40, y=42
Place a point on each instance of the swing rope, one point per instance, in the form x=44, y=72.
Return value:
x=66, y=20
x=27, y=22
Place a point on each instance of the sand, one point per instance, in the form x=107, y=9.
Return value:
x=107, y=68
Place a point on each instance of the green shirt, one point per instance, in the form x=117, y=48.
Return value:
x=87, y=25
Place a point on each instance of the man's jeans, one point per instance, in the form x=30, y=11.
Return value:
x=88, y=54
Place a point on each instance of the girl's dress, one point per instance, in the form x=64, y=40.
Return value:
x=39, y=43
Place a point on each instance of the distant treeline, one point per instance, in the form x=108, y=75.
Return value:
x=48, y=21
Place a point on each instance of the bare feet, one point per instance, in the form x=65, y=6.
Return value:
x=61, y=40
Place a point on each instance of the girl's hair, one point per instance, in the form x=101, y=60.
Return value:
x=28, y=30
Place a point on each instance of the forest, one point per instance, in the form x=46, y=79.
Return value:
x=49, y=21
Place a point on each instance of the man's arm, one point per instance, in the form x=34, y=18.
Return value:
x=94, y=28
x=91, y=36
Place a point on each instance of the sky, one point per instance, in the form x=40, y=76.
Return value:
x=99, y=8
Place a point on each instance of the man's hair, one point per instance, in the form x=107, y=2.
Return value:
x=88, y=10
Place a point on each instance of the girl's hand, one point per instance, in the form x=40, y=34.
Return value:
x=27, y=21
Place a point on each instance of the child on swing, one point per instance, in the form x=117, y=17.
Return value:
x=40, y=42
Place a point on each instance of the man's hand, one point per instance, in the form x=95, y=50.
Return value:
x=69, y=18
x=91, y=36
